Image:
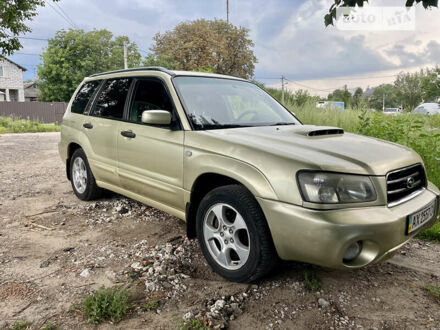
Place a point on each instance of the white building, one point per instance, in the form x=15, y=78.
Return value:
x=11, y=80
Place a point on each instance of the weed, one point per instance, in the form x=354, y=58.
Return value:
x=193, y=324
x=312, y=281
x=431, y=234
x=50, y=326
x=17, y=125
x=20, y=325
x=106, y=304
x=153, y=304
x=434, y=290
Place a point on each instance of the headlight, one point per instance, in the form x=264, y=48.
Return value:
x=332, y=188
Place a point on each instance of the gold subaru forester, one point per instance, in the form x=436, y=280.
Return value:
x=252, y=183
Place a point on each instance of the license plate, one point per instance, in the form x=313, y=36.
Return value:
x=419, y=218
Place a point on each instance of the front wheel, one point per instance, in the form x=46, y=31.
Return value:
x=234, y=235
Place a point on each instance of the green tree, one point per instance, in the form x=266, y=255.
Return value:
x=357, y=96
x=328, y=19
x=208, y=45
x=341, y=95
x=380, y=92
x=409, y=89
x=164, y=61
x=13, y=17
x=74, y=54
x=431, y=85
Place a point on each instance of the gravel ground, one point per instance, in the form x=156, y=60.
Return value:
x=55, y=249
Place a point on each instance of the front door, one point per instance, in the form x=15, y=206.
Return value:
x=150, y=159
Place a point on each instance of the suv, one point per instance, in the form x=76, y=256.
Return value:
x=252, y=183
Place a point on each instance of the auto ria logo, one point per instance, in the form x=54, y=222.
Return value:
x=410, y=182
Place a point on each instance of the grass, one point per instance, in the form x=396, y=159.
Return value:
x=50, y=326
x=431, y=234
x=20, y=325
x=16, y=125
x=151, y=305
x=421, y=133
x=194, y=324
x=434, y=290
x=312, y=281
x=106, y=304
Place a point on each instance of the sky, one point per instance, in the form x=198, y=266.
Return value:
x=289, y=35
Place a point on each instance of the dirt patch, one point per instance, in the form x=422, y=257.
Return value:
x=55, y=249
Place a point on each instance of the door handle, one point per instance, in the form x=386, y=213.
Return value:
x=128, y=134
x=88, y=125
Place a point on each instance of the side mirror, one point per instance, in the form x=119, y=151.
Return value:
x=156, y=117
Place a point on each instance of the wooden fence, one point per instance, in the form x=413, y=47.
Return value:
x=46, y=112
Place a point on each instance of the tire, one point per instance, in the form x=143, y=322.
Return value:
x=245, y=258
x=85, y=188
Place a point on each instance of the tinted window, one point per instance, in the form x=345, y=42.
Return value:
x=82, y=98
x=111, y=100
x=149, y=95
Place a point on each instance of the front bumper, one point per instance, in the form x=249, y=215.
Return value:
x=321, y=237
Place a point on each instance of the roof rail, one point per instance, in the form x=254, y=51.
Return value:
x=147, y=68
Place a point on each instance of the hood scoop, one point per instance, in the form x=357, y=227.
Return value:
x=326, y=131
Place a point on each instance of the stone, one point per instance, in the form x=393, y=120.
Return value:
x=111, y=275
x=322, y=303
x=85, y=273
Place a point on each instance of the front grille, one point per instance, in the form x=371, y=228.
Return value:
x=403, y=182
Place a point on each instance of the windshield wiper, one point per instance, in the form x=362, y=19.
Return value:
x=218, y=126
x=282, y=123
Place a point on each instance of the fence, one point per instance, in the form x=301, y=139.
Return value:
x=46, y=112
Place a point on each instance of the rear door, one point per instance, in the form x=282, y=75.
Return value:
x=151, y=160
x=102, y=128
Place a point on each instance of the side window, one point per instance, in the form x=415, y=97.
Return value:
x=82, y=98
x=149, y=95
x=111, y=100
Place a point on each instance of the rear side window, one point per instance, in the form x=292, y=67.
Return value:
x=110, y=102
x=83, y=96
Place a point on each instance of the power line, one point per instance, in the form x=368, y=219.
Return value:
x=60, y=14
x=32, y=54
x=29, y=38
x=65, y=14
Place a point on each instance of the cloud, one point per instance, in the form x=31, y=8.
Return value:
x=289, y=35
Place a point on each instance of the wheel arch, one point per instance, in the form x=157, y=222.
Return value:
x=70, y=150
x=207, y=181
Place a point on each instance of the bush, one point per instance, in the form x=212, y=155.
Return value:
x=106, y=304
x=16, y=125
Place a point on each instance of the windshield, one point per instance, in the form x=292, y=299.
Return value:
x=213, y=103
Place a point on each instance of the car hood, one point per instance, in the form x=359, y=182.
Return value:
x=310, y=147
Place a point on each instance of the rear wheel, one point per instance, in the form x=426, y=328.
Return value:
x=234, y=235
x=82, y=179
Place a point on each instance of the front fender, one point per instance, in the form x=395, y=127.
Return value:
x=201, y=163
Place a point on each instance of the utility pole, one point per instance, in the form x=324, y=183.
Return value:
x=227, y=11
x=383, y=102
x=282, y=89
x=125, y=56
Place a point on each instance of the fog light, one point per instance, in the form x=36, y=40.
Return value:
x=353, y=251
